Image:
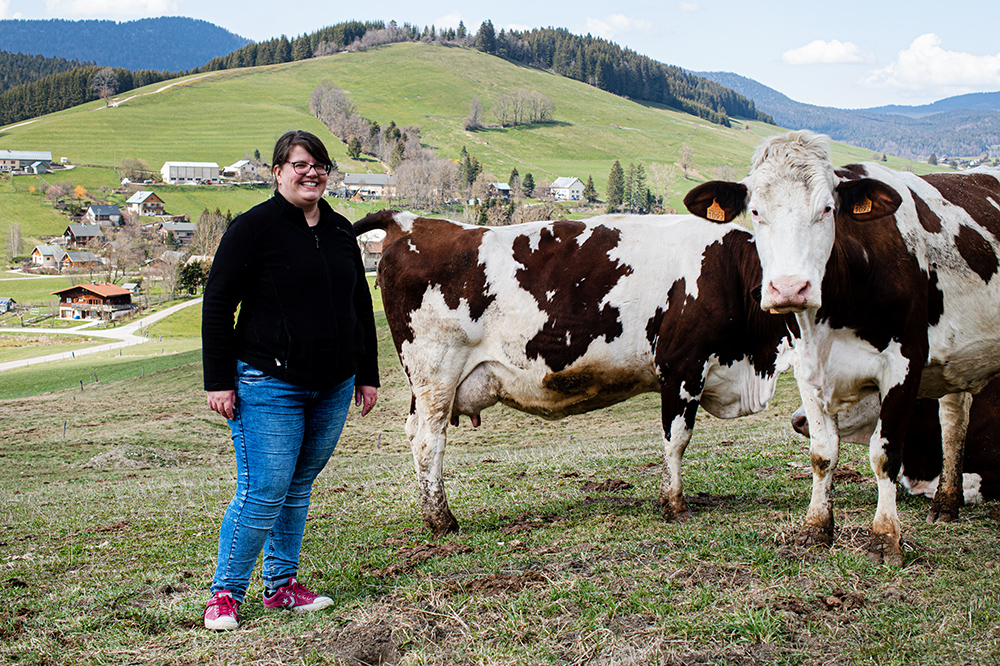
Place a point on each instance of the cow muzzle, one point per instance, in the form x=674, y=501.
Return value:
x=788, y=294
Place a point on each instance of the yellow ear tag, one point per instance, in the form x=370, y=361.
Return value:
x=715, y=212
x=864, y=206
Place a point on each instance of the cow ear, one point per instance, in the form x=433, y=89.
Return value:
x=717, y=200
x=867, y=199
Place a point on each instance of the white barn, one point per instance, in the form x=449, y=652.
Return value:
x=189, y=172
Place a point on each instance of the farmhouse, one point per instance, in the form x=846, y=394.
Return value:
x=240, y=170
x=7, y=305
x=81, y=235
x=145, y=203
x=80, y=261
x=183, y=232
x=35, y=161
x=567, y=189
x=104, y=216
x=189, y=172
x=101, y=300
x=371, y=248
x=499, y=191
x=47, y=256
x=368, y=185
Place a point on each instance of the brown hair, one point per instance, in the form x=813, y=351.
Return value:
x=307, y=140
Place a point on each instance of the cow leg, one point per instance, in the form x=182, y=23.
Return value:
x=678, y=424
x=953, y=410
x=824, y=452
x=426, y=428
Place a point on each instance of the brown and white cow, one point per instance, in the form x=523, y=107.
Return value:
x=893, y=281
x=922, y=449
x=560, y=318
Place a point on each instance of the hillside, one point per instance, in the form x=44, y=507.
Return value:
x=965, y=126
x=17, y=69
x=222, y=116
x=171, y=43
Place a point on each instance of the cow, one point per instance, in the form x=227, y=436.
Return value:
x=564, y=317
x=922, y=449
x=892, y=279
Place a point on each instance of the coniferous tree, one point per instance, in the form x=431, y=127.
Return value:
x=589, y=191
x=616, y=187
x=528, y=184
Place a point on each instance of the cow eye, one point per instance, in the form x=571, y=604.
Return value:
x=828, y=209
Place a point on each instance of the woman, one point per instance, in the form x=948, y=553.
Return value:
x=303, y=344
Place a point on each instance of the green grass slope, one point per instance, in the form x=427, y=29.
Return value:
x=222, y=116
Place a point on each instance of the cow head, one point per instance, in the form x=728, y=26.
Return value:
x=794, y=197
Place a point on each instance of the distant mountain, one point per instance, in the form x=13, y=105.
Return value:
x=168, y=43
x=963, y=126
x=970, y=102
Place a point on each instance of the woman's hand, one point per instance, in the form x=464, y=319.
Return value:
x=365, y=397
x=223, y=402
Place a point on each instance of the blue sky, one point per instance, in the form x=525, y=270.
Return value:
x=847, y=54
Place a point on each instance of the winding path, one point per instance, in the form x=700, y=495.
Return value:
x=124, y=336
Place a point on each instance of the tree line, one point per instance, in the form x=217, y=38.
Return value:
x=17, y=69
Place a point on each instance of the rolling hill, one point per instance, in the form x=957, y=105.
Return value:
x=222, y=116
x=963, y=126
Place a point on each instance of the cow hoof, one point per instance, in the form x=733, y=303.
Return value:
x=675, y=513
x=883, y=549
x=813, y=535
x=942, y=513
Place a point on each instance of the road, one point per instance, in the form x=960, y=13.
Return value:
x=123, y=336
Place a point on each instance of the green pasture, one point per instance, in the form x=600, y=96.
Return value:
x=108, y=538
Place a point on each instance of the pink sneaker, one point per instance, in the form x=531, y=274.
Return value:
x=297, y=598
x=221, y=613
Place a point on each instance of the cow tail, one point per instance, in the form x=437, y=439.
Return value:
x=380, y=219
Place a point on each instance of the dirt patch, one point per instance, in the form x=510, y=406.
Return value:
x=608, y=486
x=413, y=556
x=364, y=643
x=497, y=583
x=835, y=602
x=526, y=522
x=136, y=457
x=840, y=474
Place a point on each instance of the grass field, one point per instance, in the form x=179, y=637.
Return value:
x=225, y=116
x=111, y=496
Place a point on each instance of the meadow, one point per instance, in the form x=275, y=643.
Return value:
x=112, y=491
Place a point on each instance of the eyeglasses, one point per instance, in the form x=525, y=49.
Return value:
x=302, y=168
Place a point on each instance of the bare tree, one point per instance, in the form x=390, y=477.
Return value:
x=472, y=121
x=14, y=242
x=133, y=168
x=727, y=173
x=209, y=232
x=686, y=160
x=105, y=84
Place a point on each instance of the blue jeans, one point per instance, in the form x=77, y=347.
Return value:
x=283, y=436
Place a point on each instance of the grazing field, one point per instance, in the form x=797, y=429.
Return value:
x=111, y=496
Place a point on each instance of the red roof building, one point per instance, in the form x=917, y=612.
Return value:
x=100, y=300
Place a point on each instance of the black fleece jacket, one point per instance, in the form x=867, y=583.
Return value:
x=305, y=313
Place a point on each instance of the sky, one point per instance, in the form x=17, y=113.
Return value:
x=847, y=54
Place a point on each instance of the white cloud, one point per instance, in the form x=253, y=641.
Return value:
x=448, y=21
x=687, y=6
x=927, y=68
x=615, y=26
x=89, y=8
x=4, y=6
x=823, y=53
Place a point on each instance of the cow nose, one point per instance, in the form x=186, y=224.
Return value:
x=801, y=424
x=789, y=292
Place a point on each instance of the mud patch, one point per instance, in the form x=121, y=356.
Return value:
x=413, y=556
x=365, y=643
x=525, y=522
x=608, y=486
x=840, y=474
x=837, y=601
x=136, y=457
x=497, y=583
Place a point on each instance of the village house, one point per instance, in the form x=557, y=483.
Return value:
x=47, y=256
x=567, y=189
x=179, y=173
x=28, y=161
x=101, y=300
x=104, y=216
x=240, y=170
x=183, y=232
x=81, y=260
x=81, y=235
x=145, y=203
x=7, y=304
x=499, y=191
x=371, y=248
x=368, y=185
